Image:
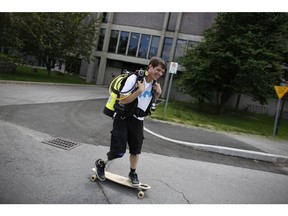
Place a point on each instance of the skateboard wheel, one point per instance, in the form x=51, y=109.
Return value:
x=93, y=178
x=141, y=194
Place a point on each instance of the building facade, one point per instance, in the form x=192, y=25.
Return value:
x=127, y=41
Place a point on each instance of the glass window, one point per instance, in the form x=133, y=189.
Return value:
x=180, y=48
x=154, y=46
x=101, y=39
x=124, y=36
x=113, y=41
x=144, y=44
x=167, y=48
x=191, y=44
x=171, y=26
x=105, y=17
x=133, y=44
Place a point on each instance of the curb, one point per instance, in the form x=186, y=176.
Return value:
x=272, y=158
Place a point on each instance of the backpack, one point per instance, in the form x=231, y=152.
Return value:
x=115, y=88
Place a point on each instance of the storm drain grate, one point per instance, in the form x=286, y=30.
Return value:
x=62, y=143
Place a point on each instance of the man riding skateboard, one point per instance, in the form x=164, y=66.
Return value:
x=128, y=121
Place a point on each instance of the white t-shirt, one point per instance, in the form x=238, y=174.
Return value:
x=144, y=98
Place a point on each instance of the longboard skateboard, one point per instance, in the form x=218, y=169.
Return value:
x=123, y=181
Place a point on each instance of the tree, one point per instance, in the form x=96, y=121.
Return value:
x=4, y=27
x=241, y=53
x=8, y=34
x=51, y=37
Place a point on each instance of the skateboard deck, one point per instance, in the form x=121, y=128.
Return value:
x=123, y=181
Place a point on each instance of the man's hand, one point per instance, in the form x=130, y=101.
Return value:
x=157, y=89
x=141, y=87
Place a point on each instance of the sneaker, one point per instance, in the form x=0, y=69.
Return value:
x=133, y=179
x=100, y=169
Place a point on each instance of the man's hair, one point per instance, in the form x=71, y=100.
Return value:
x=155, y=61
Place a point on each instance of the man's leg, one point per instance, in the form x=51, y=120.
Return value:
x=133, y=165
x=134, y=161
x=135, y=140
x=117, y=145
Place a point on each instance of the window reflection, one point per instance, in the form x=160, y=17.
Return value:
x=133, y=44
x=105, y=17
x=113, y=41
x=154, y=46
x=144, y=44
x=167, y=48
x=124, y=36
x=180, y=48
x=190, y=44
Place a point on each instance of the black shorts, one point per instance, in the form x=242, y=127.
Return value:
x=125, y=130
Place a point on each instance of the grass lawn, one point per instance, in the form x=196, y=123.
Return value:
x=243, y=122
x=24, y=73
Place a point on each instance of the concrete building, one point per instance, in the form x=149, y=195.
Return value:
x=128, y=40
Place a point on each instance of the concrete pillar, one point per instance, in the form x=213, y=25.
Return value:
x=93, y=64
x=164, y=26
x=90, y=72
x=103, y=59
x=174, y=43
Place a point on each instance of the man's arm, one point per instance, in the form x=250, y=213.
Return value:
x=158, y=90
x=124, y=99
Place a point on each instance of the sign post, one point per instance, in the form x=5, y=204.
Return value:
x=172, y=70
x=280, y=91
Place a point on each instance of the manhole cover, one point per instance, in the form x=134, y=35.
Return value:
x=62, y=143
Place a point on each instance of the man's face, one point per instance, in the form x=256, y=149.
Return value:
x=156, y=72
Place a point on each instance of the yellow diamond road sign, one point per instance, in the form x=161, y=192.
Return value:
x=281, y=91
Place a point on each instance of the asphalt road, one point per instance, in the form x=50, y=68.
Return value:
x=33, y=172
x=84, y=121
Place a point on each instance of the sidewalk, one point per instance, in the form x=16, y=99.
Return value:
x=16, y=92
x=32, y=172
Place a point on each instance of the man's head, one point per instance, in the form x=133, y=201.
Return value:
x=157, y=67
